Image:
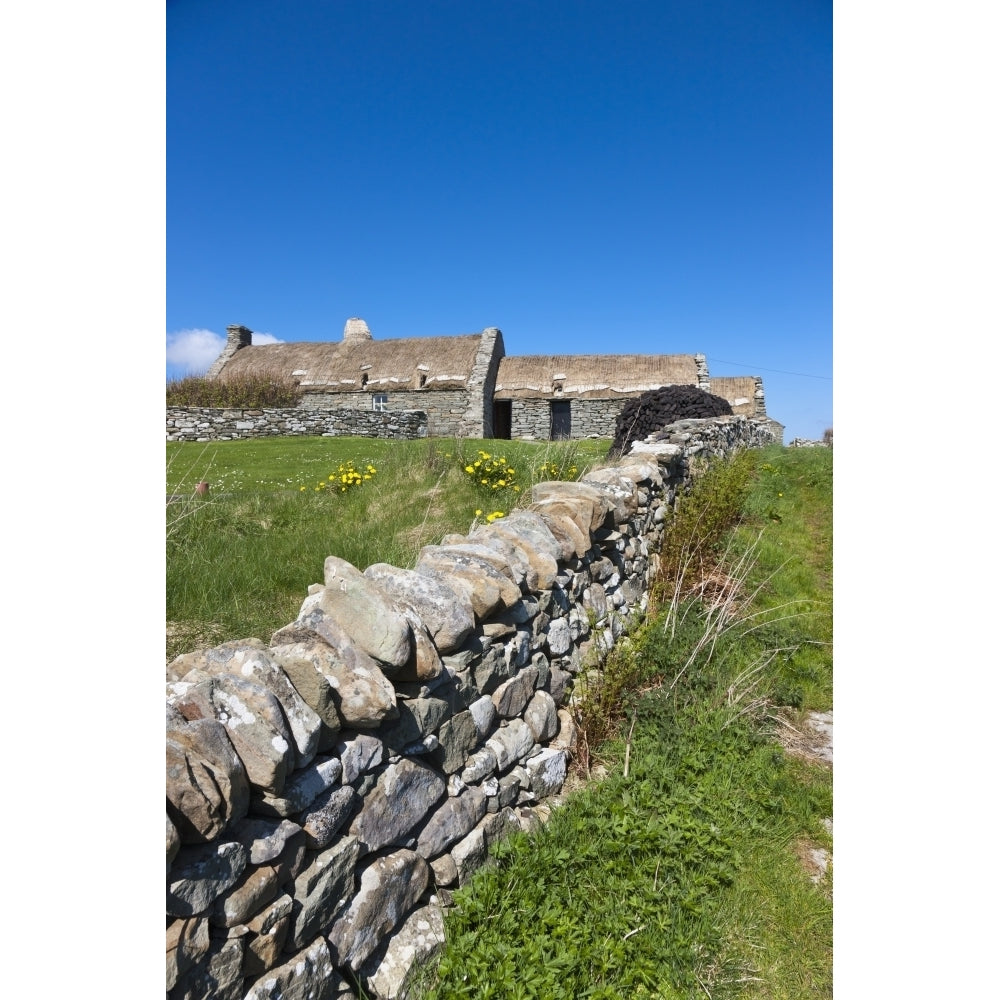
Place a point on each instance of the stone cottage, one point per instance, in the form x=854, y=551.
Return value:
x=576, y=396
x=468, y=387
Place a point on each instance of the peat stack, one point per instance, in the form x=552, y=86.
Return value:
x=652, y=411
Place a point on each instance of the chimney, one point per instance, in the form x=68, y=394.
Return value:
x=356, y=331
x=238, y=336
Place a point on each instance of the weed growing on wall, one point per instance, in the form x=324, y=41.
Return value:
x=697, y=526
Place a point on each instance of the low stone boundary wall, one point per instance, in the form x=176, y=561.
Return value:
x=323, y=787
x=202, y=423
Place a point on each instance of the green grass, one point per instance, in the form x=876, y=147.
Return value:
x=791, y=504
x=239, y=561
x=682, y=878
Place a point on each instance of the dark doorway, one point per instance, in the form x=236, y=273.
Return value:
x=501, y=419
x=560, y=419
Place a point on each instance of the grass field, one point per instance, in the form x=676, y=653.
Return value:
x=240, y=559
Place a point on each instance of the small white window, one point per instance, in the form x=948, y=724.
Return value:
x=380, y=402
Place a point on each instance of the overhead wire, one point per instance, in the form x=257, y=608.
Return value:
x=777, y=371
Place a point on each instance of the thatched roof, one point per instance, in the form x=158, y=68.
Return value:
x=442, y=363
x=591, y=376
x=739, y=391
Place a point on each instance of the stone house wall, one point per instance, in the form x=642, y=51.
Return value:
x=322, y=786
x=531, y=419
x=446, y=409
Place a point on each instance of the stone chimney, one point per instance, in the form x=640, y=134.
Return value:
x=236, y=337
x=356, y=331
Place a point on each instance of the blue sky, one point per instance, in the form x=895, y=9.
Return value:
x=637, y=177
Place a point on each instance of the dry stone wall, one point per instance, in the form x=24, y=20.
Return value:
x=325, y=786
x=195, y=423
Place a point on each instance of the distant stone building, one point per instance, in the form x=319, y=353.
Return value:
x=468, y=387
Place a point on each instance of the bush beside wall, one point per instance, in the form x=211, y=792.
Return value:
x=322, y=786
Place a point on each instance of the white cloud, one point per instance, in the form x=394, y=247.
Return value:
x=192, y=352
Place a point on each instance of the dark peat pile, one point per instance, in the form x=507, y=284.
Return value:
x=653, y=410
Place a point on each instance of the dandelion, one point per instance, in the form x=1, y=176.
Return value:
x=470, y=469
x=479, y=513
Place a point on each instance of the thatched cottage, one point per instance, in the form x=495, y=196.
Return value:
x=469, y=388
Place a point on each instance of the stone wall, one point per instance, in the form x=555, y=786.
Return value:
x=715, y=436
x=531, y=419
x=325, y=786
x=193, y=423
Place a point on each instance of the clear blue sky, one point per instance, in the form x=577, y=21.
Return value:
x=629, y=177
